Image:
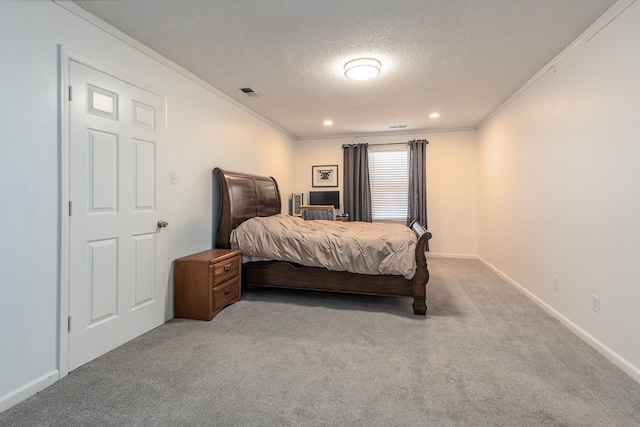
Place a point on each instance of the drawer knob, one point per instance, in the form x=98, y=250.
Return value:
x=227, y=267
x=227, y=289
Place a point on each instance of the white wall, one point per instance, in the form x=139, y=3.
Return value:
x=452, y=172
x=559, y=188
x=204, y=131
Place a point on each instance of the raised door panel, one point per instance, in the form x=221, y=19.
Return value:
x=144, y=258
x=102, y=284
x=145, y=175
x=144, y=115
x=102, y=102
x=103, y=172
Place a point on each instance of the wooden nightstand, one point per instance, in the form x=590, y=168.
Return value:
x=206, y=282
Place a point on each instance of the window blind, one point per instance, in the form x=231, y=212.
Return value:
x=389, y=180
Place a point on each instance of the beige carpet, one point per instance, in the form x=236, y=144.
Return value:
x=484, y=356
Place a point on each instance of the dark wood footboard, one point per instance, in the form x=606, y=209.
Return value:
x=422, y=272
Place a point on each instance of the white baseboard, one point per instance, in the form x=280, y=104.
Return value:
x=441, y=255
x=622, y=363
x=22, y=393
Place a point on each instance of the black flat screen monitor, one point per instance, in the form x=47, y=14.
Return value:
x=325, y=198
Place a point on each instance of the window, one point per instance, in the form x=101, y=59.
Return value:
x=389, y=179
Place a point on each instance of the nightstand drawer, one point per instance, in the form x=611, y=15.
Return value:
x=226, y=293
x=226, y=270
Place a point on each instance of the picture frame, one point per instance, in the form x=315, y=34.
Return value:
x=324, y=176
x=297, y=200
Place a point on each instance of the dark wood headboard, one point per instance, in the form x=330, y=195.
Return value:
x=244, y=196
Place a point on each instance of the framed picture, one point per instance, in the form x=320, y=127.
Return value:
x=297, y=200
x=324, y=176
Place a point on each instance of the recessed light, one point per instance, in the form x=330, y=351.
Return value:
x=328, y=122
x=362, y=69
x=434, y=115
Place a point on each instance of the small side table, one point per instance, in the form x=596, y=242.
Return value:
x=206, y=282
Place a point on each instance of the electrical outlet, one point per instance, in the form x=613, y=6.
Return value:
x=555, y=283
x=595, y=303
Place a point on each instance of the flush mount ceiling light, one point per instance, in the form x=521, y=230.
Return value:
x=362, y=69
x=328, y=122
x=434, y=115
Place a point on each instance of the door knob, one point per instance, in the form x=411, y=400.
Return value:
x=162, y=224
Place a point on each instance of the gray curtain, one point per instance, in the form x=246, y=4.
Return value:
x=418, y=182
x=357, y=191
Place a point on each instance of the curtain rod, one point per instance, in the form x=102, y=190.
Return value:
x=382, y=143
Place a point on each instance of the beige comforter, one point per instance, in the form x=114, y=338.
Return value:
x=358, y=247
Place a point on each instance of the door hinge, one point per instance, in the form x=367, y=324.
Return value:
x=70, y=207
x=70, y=93
x=69, y=324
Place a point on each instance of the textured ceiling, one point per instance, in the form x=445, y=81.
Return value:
x=462, y=58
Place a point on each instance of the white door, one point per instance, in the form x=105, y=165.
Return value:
x=117, y=251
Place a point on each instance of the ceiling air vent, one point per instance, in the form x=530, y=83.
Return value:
x=397, y=126
x=250, y=92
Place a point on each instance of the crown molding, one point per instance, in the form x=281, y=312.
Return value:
x=605, y=19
